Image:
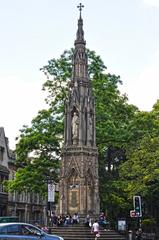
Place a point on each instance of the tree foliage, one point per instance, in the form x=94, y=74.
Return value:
x=127, y=139
x=39, y=145
x=140, y=173
x=38, y=151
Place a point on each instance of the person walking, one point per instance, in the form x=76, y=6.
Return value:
x=95, y=229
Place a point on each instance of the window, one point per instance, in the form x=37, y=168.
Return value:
x=29, y=230
x=3, y=230
x=13, y=229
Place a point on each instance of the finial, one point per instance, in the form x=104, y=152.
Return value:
x=80, y=6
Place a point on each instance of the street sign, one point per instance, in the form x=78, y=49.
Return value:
x=51, y=192
x=133, y=213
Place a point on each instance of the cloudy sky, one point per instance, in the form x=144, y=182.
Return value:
x=124, y=33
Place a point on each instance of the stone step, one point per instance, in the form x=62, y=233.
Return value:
x=90, y=237
x=112, y=233
x=78, y=232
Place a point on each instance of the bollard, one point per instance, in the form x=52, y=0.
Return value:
x=130, y=235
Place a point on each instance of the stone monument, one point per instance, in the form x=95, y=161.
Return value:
x=79, y=190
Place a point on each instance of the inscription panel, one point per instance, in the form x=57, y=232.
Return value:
x=73, y=201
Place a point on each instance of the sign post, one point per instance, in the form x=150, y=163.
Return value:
x=51, y=199
x=137, y=212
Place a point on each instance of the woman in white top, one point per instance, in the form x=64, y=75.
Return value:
x=95, y=229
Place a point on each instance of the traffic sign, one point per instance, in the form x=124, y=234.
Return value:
x=133, y=213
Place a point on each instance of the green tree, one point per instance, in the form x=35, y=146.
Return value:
x=37, y=152
x=139, y=175
x=39, y=145
x=44, y=138
x=113, y=114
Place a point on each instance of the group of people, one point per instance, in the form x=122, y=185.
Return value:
x=63, y=220
x=100, y=223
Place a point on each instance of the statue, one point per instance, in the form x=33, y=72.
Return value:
x=90, y=128
x=75, y=125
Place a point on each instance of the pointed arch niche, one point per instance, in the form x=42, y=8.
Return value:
x=89, y=191
x=73, y=192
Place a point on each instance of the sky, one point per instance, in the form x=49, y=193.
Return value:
x=124, y=33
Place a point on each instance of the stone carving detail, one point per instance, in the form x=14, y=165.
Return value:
x=73, y=168
x=75, y=126
x=73, y=198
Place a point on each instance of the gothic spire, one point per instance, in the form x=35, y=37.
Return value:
x=80, y=65
x=80, y=32
x=79, y=187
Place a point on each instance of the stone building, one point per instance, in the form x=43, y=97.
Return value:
x=4, y=171
x=79, y=171
x=28, y=207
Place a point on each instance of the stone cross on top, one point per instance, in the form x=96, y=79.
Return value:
x=80, y=6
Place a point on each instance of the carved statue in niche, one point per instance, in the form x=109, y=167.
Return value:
x=75, y=125
x=90, y=128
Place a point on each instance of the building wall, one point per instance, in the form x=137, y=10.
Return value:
x=4, y=172
x=28, y=207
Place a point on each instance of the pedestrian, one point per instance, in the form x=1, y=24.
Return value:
x=87, y=221
x=138, y=234
x=75, y=218
x=95, y=229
